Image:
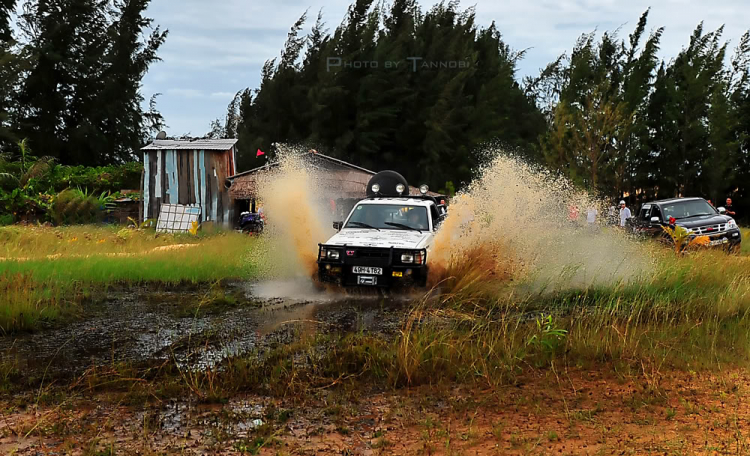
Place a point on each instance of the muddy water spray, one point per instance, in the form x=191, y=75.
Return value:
x=514, y=215
x=519, y=216
x=289, y=196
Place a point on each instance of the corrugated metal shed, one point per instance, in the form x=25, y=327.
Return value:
x=196, y=144
x=189, y=173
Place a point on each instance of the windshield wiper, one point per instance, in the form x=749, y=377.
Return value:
x=401, y=225
x=362, y=225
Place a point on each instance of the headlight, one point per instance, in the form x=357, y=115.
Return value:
x=413, y=258
x=400, y=188
x=423, y=189
x=333, y=254
x=419, y=257
x=375, y=188
x=731, y=224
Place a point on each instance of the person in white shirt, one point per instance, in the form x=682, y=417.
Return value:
x=591, y=214
x=624, y=213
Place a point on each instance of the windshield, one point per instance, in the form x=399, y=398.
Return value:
x=685, y=209
x=389, y=217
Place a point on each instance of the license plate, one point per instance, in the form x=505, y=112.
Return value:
x=718, y=242
x=367, y=280
x=367, y=270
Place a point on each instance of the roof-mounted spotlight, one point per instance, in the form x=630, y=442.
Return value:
x=400, y=189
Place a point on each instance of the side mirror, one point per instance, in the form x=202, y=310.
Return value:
x=338, y=225
x=655, y=220
x=722, y=210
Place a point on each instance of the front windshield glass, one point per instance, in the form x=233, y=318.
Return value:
x=685, y=209
x=389, y=217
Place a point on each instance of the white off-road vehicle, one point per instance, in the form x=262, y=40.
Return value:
x=385, y=239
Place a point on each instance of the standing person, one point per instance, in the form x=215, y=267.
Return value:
x=729, y=207
x=573, y=213
x=591, y=214
x=332, y=202
x=624, y=213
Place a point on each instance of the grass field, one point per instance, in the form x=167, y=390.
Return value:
x=45, y=273
x=586, y=369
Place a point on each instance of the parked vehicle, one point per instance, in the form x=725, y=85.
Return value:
x=251, y=222
x=696, y=215
x=385, y=239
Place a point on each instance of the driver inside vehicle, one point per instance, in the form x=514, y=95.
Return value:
x=417, y=219
x=373, y=217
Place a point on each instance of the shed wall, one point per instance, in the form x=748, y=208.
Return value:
x=188, y=177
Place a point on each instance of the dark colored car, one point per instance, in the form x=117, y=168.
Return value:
x=251, y=222
x=694, y=214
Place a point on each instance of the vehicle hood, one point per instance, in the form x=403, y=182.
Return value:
x=704, y=220
x=400, y=239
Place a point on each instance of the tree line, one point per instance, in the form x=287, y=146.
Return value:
x=442, y=88
x=420, y=91
x=625, y=123
x=70, y=78
x=609, y=114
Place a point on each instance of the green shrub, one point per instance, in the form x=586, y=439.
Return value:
x=28, y=184
x=73, y=207
x=6, y=219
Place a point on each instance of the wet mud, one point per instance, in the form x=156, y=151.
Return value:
x=141, y=325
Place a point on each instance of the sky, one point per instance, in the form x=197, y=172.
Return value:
x=216, y=48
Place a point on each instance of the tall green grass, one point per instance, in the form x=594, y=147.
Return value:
x=692, y=313
x=41, y=242
x=34, y=288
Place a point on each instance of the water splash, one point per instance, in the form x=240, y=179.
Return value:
x=512, y=223
x=520, y=219
x=290, y=195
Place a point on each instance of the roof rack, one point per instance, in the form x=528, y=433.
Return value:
x=417, y=197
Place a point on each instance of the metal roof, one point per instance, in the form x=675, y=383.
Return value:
x=311, y=154
x=194, y=144
x=423, y=202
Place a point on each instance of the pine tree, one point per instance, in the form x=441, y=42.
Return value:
x=424, y=122
x=6, y=9
x=80, y=101
x=9, y=73
x=122, y=123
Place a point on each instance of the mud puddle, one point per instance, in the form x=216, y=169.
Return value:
x=139, y=325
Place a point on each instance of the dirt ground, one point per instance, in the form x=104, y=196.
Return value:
x=554, y=412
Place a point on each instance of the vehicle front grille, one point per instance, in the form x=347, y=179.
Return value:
x=373, y=253
x=709, y=230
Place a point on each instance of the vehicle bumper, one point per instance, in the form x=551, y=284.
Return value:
x=730, y=240
x=394, y=273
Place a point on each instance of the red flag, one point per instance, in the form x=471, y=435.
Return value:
x=260, y=152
